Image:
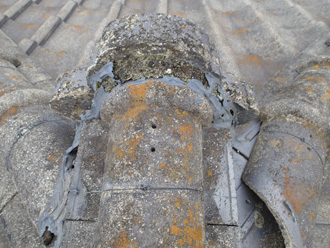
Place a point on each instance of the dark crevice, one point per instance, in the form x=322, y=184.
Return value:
x=78, y=220
x=143, y=187
x=215, y=224
x=10, y=199
x=48, y=237
x=240, y=153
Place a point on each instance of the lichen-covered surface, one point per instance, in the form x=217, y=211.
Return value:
x=295, y=138
x=262, y=45
x=153, y=46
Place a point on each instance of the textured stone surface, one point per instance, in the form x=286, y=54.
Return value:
x=72, y=96
x=19, y=230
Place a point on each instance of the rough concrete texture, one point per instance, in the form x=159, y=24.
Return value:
x=25, y=126
x=152, y=218
x=73, y=96
x=265, y=44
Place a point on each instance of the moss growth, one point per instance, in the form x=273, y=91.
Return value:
x=107, y=84
x=135, y=67
x=215, y=91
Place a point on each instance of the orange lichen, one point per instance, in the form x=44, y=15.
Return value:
x=316, y=79
x=211, y=243
x=132, y=112
x=81, y=28
x=59, y=54
x=209, y=172
x=326, y=96
x=295, y=146
x=4, y=92
x=276, y=143
x=29, y=25
x=138, y=95
x=127, y=148
x=186, y=131
x=309, y=89
x=12, y=76
x=297, y=194
x=280, y=79
x=312, y=216
x=178, y=13
x=163, y=165
x=138, y=92
x=181, y=114
x=239, y=32
x=12, y=111
x=251, y=59
x=191, y=234
x=51, y=157
x=228, y=12
x=327, y=64
x=186, y=157
x=121, y=241
x=190, y=146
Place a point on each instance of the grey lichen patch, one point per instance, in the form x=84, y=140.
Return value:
x=259, y=219
x=72, y=96
x=107, y=83
x=240, y=92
